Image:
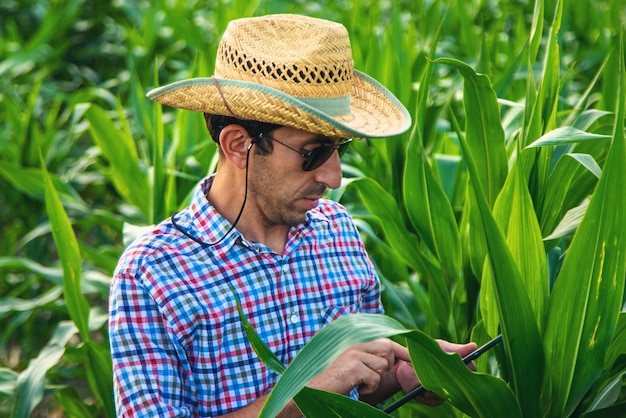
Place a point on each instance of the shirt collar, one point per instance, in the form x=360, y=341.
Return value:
x=205, y=224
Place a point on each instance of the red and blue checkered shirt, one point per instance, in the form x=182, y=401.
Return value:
x=178, y=345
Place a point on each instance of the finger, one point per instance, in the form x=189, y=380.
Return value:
x=368, y=381
x=461, y=349
x=376, y=362
x=405, y=376
x=385, y=348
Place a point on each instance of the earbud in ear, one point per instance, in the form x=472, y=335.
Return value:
x=254, y=141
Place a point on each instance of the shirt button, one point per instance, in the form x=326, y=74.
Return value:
x=286, y=268
x=294, y=318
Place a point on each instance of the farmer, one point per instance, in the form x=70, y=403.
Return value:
x=283, y=99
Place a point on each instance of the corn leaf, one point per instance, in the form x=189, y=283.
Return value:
x=522, y=341
x=310, y=401
x=618, y=345
x=29, y=181
x=476, y=394
x=566, y=135
x=444, y=373
x=31, y=381
x=69, y=253
x=486, y=139
x=587, y=295
x=515, y=214
x=569, y=223
x=119, y=149
x=318, y=403
x=322, y=349
x=8, y=381
x=259, y=347
x=100, y=375
x=383, y=205
x=430, y=211
x=483, y=132
x=561, y=181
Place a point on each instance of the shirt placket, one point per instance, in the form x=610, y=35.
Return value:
x=292, y=312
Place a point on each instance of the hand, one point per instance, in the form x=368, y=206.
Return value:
x=408, y=380
x=364, y=365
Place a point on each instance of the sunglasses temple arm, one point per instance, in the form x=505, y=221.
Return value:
x=419, y=389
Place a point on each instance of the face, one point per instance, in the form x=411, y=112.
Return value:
x=281, y=190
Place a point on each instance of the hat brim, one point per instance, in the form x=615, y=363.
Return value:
x=374, y=111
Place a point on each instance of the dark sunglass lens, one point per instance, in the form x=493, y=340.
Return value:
x=343, y=147
x=321, y=154
x=317, y=157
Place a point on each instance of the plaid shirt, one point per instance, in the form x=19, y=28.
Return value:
x=178, y=345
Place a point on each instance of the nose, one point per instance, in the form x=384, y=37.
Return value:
x=329, y=173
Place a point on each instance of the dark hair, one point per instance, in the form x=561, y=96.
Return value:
x=215, y=124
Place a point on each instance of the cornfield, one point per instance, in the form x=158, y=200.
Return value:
x=502, y=211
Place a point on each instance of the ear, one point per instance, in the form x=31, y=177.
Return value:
x=235, y=141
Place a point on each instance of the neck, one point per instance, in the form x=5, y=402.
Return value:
x=227, y=196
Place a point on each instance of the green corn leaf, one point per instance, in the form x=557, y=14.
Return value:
x=8, y=381
x=486, y=139
x=430, y=210
x=476, y=394
x=91, y=282
x=522, y=341
x=483, y=132
x=444, y=373
x=100, y=374
x=609, y=394
x=310, y=401
x=380, y=203
x=322, y=349
x=564, y=178
x=119, y=149
x=588, y=162
x=31, y=381
x=587, y=296
x=259, y=347
x=448, y=169
x=431, y=214
x=565, y=135
x=570, y=222
x=536, y=30
x=9, y=304
x=618, y=345
x=318, y=403
x=614, y=411
x=515, y=214
x=29, y=181
x=69, y=253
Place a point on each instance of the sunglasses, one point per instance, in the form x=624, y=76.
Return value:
x=316, y=157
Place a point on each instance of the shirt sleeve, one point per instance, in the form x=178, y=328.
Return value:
x=149, y=379
x=370, y=288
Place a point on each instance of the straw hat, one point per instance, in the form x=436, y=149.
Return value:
x=293, y=71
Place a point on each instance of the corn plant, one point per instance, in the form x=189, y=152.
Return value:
x=561, y=319
x=498, y=213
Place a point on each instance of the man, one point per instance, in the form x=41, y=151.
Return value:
x=283, y=98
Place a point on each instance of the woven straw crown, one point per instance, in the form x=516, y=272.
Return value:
x=294, y=71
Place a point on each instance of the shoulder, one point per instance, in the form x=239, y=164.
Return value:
x=149, y=247
x=333, y=211
x=334, y=217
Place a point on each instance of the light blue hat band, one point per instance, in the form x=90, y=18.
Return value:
x=331, y=106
